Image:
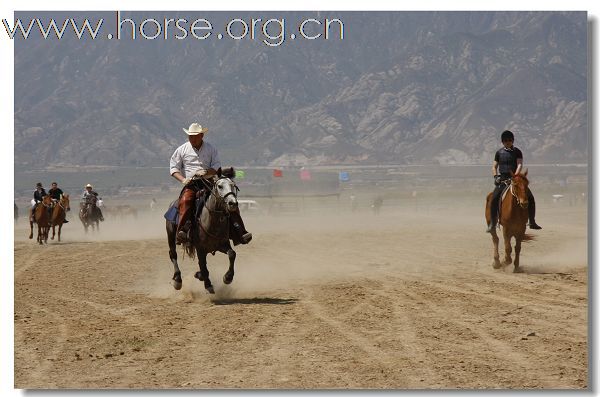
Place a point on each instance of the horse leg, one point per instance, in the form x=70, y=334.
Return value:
x=40, y=236
x=177, y=281
x=53, y=231
x=228, y=277
x=202, y=275
x=59, y=229
x=507, y=248
x=496, y=240
x=31, y=231
x=517, y=254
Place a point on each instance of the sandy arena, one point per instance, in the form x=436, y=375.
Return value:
x=404, y=300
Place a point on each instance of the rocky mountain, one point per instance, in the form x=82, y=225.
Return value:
x=401, y=87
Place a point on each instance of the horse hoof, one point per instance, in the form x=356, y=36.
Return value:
x=177, y=285
x=198, y=275
x=496, y=265
x=210, y=290
x=227, y=280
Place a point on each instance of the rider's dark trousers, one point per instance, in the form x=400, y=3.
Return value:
x=236, y=227
x=496, y=200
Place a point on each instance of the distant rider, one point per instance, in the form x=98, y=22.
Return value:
x=56, y=194
x=38, y=196
x=89, y=195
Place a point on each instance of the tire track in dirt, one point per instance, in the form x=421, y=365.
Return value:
x=509, y=301
x=422, y=362
x=378, y=356
x=503, y=352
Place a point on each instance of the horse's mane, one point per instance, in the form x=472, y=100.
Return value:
x=516, y=178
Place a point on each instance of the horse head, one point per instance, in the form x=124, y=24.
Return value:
x=225, y=191
x=65, y=203
x=519, y=185
x=47, y=201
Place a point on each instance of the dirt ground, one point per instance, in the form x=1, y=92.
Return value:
x=403, y=300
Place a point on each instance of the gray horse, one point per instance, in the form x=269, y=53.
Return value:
x=210, y=232
x=89, y=213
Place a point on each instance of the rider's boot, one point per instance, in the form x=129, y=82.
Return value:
x=238, y=231
x=491, y=225
x=531, y=208
x=183, y=233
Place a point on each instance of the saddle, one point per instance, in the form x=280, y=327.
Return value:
x=172, y=214
x=502, y=197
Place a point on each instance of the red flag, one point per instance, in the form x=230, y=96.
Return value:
x=277, y=173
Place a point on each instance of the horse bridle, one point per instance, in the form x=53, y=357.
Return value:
x=512, y=191
x=220, y=200
x=61, y=205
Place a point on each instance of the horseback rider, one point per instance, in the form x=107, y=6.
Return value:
x=199, y=158
x=38, y=196
x=89, y=195
x=508, y=159
x=55, y=194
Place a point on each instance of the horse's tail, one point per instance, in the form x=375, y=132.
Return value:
x=528, y=237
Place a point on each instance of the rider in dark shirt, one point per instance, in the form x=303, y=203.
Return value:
x=508, y=159
x=38, y=196
x=56, y=194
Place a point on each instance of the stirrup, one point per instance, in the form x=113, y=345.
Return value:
x=246, y=238
x=182, y=237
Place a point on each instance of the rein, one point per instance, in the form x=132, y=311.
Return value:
x=219, y=203
x=512, y=191
x=220, y=200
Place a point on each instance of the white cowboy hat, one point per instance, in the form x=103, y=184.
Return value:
x=89, y=185
x=196, y=129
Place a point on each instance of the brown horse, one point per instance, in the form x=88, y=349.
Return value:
x=42, y=218
x=513, y=218
x=59, y=213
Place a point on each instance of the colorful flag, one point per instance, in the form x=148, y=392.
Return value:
x=277, y=173
x=239, y=174
x=344, y=176
x=305, y=175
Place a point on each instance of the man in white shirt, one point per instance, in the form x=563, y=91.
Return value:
x=90, y=195
x=197, y=157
